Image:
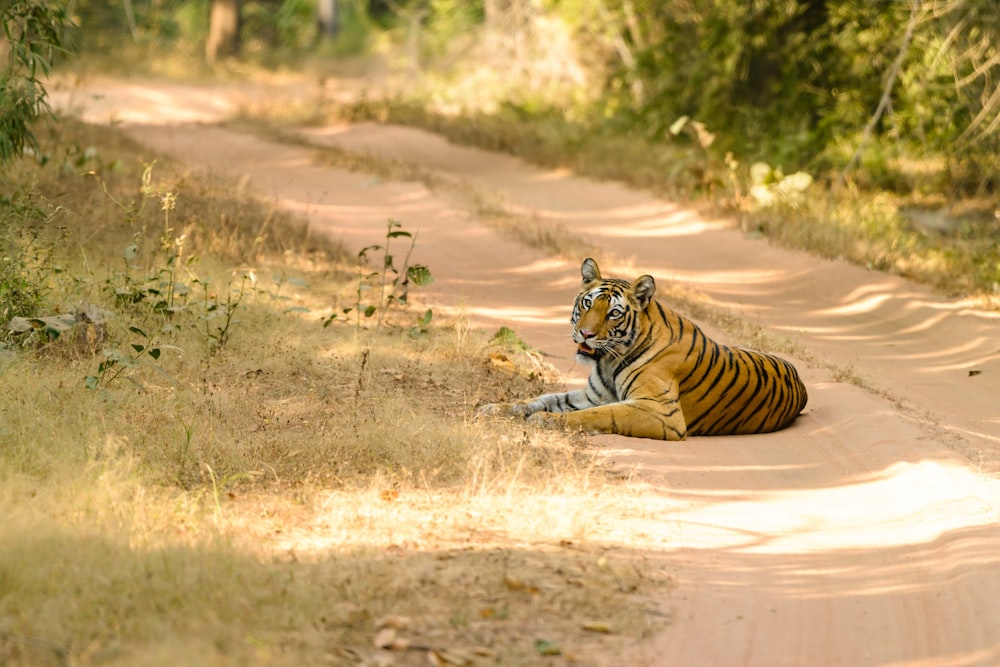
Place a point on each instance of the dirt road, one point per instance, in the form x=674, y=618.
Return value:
x=866, y=534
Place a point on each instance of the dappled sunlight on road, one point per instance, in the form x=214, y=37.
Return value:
x=910, y=503
x=677, y=224
x=553, y=175
x=909, y=328
x=513, y=316
x=853, y=307
x=482, y=519
x=543, y=265
x=399, y=202
x=961, y=350
x=741, y=277
x=890, y=485
x=159, y=104
x=647, y=221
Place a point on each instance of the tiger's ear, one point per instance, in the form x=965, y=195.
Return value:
x=643, y=288
x=589, y=271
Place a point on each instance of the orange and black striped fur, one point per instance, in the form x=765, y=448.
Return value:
x=657, y=375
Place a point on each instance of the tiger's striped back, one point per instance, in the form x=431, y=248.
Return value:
x=728, y=390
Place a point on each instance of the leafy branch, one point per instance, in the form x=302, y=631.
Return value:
x=393, y=283
x=117, y=362
x=33, y=33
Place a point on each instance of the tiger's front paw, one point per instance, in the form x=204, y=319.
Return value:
x=548, y=420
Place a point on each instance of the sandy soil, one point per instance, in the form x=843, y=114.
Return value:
x=866, y=534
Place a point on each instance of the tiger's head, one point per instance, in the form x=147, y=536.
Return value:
x=608, y=313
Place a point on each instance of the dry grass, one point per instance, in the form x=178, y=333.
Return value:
x=958, y=255
x=273, y=495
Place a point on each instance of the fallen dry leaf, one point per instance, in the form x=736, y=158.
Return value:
x=394, y=621
x=597, y=626
x=384, y=638
x=545, y=647
x=501, y=361
x=388, y=638
x=515, y=584
x=440, y=657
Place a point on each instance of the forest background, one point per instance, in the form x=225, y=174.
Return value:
x=745, y=104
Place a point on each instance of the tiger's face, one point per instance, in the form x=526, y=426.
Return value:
x=603, y=322
x=607, y=313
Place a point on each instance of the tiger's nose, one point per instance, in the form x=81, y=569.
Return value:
x=587, y=333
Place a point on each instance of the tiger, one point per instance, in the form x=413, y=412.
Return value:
x=657, y=375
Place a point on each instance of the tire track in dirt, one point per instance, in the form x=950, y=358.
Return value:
x=860, y=536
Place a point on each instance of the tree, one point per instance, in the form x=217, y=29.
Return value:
x=327, y=18
x=34, y=32
x=223, y=30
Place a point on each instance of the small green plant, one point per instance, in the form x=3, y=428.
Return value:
x=161, y=288
x=39, y=330
x=180, y=456
x=508, y=337
x=770, y=186
x=391, y=282
x=26, y=255
x=159, y=291
x=217, y=317
x=117, y=362
x=423, y=324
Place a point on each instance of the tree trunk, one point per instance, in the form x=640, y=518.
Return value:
x=327, y=18
x=223, y=30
